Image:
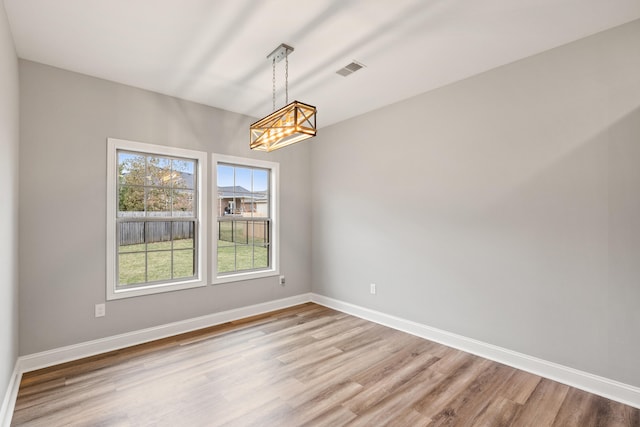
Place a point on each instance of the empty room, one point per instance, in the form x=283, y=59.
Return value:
x=322, y=213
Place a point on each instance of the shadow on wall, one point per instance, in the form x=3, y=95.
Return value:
x=568, y=239
x=214, y=129
x=624, y=247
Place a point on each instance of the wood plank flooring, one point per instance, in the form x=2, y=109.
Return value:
x=306, y=365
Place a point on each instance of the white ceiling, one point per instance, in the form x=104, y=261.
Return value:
x=214, y=51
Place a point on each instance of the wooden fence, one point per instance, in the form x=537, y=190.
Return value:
x=135, y=233
x=243, y=231
x=138, y=232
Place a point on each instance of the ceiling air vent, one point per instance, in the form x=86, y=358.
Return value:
x=350, y=69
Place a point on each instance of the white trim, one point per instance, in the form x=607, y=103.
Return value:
x=9, y=401
x=274, y=167
x=113, y=145
x=614, y=390
x=91, y=348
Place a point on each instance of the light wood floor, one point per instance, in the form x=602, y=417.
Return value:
x=306, y=365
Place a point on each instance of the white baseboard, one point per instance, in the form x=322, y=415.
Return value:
x=90, y=348
x=601, y=386
x=9, y=401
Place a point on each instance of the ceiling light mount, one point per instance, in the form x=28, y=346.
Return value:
x=280, y=53
x=290, y=124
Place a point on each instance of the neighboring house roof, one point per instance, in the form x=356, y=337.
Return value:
x=239, y=191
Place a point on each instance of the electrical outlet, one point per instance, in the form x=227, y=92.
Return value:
x=282, y=281
x=372, y=288
x=101, y=310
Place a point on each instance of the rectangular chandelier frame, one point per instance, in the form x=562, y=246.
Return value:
x=292, y=123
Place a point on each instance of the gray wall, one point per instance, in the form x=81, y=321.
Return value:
x=523, y=223
x=9, y=125
x=65, y=121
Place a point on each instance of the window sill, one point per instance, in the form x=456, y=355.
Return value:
x=154, y=289
x=237, y=277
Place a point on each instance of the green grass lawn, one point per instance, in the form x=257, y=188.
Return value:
x=239, y=257
x=230, y=258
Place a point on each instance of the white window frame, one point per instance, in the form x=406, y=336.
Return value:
x=113, y=145
x=274, y=206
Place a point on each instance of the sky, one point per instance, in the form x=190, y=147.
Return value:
x=252, y=179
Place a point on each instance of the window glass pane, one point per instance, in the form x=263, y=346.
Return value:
x=131, y=168
x=225, y=231
x=131, y=237
x=226, y=259
x=225, y=176
x=243, y=191
x=182, y=203
x=259, y=232
x=183, y=232
x=158, y=266
x=183, y=173
x=260, y=206
x=261, y=244
x=243, y=180
x=234, y=205
x=159, y=171
x=158, y=235
x=249, y=207
x=158, y=202
x=244, y=257
x=240, y=234
x=261, y=256
x=130, y=201
x=183, y=265
x=222, y=208
x=226, y=189
x=243, y=204
x=260, y=181
x=250, y=231
x=131, y=268
x=261, y=193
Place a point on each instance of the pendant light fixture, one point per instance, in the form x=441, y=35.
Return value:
x=290, y=124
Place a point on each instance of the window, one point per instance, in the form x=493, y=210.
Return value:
x=246, y=211
x=156, y=196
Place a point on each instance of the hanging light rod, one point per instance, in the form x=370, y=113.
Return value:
x=290, y=124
